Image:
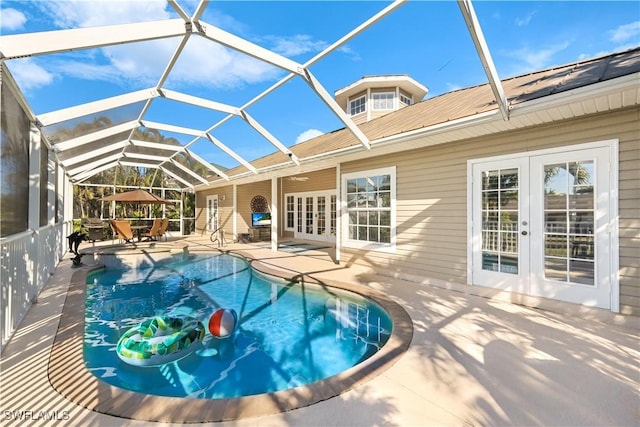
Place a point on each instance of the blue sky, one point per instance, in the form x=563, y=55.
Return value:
x=426, y=39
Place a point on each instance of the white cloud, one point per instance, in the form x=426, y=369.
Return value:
x=28, y=74
x=296, y=45
x=12, y=19
x=308, y=134
x=625, y=32
x=207, y=63
x=537, y=59
x=522, y=22
x=82, y=13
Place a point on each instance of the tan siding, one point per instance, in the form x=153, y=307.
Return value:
x=245, y=193
x=432, y=198
x=225, y=209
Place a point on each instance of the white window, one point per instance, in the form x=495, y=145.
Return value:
x=405, y=100
x=369, y=214
x=290, y=213
x=358, y=105
x=383, y=101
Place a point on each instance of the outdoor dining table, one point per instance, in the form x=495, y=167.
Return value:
x=138, y=229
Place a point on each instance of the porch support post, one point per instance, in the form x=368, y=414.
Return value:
x=274, y=214
x=51, y=188
x=33, y=217
x=34, y=177
x=338, y=213
x=234, y=210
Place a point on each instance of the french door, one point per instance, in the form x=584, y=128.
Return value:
x=212, y=213
x=314, y=216
x=541, y=225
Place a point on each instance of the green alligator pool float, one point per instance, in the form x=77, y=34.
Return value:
x=160, y=340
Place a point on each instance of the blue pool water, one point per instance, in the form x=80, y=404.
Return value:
x=288, y=334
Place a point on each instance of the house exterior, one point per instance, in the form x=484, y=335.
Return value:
x=538, y=206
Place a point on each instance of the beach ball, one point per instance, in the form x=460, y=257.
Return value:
x=223, y=322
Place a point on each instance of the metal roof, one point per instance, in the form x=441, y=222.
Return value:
x=445, y=118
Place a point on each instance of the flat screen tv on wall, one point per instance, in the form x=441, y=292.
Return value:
x=260, y=219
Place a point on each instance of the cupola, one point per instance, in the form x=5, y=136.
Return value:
x=375, y=96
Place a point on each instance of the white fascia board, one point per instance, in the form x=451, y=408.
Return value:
x=176, y=177
x=93, y=153
x=272, y=139
x=157, y=146
x=333, y=105
x=92, y=165
x=81, y=110
x=45, y=42
x=92, y=172
x=199, y=102
x=234, y=42
x=188, y=171
x=208, y=165
x=578, y=95
x=132, y=156
x=171, y=128
x=231, y=153
x=91, y=137
x=480, y=43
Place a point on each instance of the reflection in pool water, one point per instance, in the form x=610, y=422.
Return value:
x=287, y=335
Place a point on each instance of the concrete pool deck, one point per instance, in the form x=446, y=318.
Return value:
x=471, y=361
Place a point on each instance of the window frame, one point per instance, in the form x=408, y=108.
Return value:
x=348, y=242
x=373, y=101
x=353, y=101
x=408, y=98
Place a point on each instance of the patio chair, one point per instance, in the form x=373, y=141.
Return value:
x=152, y=234
x=162, y=231
x=122, y=230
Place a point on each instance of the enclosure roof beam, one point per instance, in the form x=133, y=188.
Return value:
x=46, y=42
x=176, y=177
x=157, y=145
x=131, y=156
x=91, y=137
x=231, y=153
x=208, y=165
x=170, y=128
x=188, y=171
x=479, y=41
x=93, y=153
x=94, y=164
x=88, y=174
x=272, y=139
x=94, y=107
x=237, y=43
x=338, y=111
x=199, y=102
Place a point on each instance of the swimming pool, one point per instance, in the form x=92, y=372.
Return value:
x=288, y=334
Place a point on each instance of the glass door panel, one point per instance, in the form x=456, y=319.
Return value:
x=570, y=231
x=500, y=224
x=568, y=222
x=500, y=220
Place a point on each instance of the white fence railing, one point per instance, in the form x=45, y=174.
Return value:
x=27, y=260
